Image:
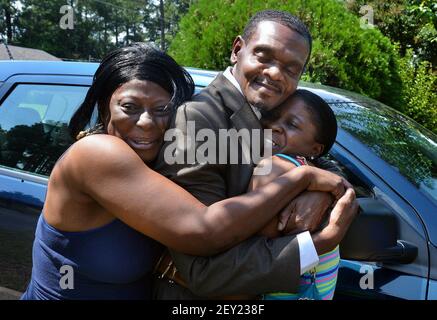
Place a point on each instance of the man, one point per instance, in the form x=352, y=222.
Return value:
x=268, y=60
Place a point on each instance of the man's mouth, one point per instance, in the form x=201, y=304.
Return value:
x=268, y=85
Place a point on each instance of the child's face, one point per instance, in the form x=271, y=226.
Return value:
x=294, y=131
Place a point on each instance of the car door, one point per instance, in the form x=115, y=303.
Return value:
x=382, y=280
x=34, y=113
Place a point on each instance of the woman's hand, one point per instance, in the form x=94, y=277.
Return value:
x=305, y=212
x=341, y=217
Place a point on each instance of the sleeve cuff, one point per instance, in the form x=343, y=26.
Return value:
x=307, y=252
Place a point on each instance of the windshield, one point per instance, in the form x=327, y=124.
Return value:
x=395, y=138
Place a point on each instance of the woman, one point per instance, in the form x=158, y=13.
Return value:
x=104, y=205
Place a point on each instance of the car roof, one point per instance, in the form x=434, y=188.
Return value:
x=9, y=68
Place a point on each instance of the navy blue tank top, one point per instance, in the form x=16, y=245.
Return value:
x=110, y=262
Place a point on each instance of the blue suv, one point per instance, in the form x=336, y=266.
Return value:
x=390, y=252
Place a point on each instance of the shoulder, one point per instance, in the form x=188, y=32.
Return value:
x=99, y=152
x=275, y=165
x=203, y=109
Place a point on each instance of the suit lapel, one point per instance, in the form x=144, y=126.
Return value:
x=242, y=115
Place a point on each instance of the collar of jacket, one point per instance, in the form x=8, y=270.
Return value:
x=241, y=114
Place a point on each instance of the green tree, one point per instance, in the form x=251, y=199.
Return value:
x=8, y=12
x=410, y=23
x=344, y=54
x=419, y=92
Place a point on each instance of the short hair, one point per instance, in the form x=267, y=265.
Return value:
x=282, y=17
x=137, y=61
x=321, y=114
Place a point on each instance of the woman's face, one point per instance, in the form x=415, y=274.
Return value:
x=139, y=116
x=294, y=132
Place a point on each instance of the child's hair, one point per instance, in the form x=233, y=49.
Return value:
x=322, y=116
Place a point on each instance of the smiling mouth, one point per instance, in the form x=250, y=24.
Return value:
x=275, y=145
x=143, y=144
x=268, y=86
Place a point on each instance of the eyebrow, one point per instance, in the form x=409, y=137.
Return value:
x=264, y=47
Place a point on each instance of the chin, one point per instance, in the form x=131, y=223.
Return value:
x=148, y=157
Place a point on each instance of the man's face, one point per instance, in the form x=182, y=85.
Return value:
x=268, y=66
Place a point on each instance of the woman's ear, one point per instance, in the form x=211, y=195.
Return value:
x=236, y=47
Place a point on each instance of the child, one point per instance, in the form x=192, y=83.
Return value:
x=303, y=127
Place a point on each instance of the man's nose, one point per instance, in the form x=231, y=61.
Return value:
x=273, y=72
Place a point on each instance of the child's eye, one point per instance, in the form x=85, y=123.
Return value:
x=291, y=124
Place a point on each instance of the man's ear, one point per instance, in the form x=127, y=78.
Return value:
x=236, y=47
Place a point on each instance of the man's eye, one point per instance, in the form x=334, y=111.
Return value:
x=292, y=72
x=262, y=57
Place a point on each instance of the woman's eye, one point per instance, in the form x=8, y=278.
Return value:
x=129, y=107
x=161, y=111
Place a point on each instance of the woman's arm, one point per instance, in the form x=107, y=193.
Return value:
x=109, y=171
x=279, y=167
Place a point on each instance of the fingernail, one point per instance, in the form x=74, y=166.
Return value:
x=280, y=226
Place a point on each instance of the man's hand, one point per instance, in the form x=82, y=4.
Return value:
x=341, y=217
x=305, y=212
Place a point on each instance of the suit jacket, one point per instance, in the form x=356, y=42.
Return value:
x=257, y=265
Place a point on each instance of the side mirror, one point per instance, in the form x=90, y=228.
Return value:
x=373, y=236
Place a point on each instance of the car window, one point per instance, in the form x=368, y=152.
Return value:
x=33, y=125
x=399, y=141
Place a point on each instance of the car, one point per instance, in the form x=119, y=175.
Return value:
x=390, y=251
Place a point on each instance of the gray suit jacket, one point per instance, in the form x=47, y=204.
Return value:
x=258, y=265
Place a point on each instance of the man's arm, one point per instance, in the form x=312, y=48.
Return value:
x=257, y=265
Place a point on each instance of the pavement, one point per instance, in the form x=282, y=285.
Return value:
x=8, y=294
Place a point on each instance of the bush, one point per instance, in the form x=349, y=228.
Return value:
x=344, y=54
x=419, y=92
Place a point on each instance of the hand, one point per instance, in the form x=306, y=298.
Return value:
x=305, y=212
x=322, y=180
x=341, y=217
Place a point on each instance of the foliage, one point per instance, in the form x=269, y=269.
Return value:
x=410, y=23
x=344, y=54
x=99, y=25
x=419, y=92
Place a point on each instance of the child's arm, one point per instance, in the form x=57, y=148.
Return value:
x=279, y=166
